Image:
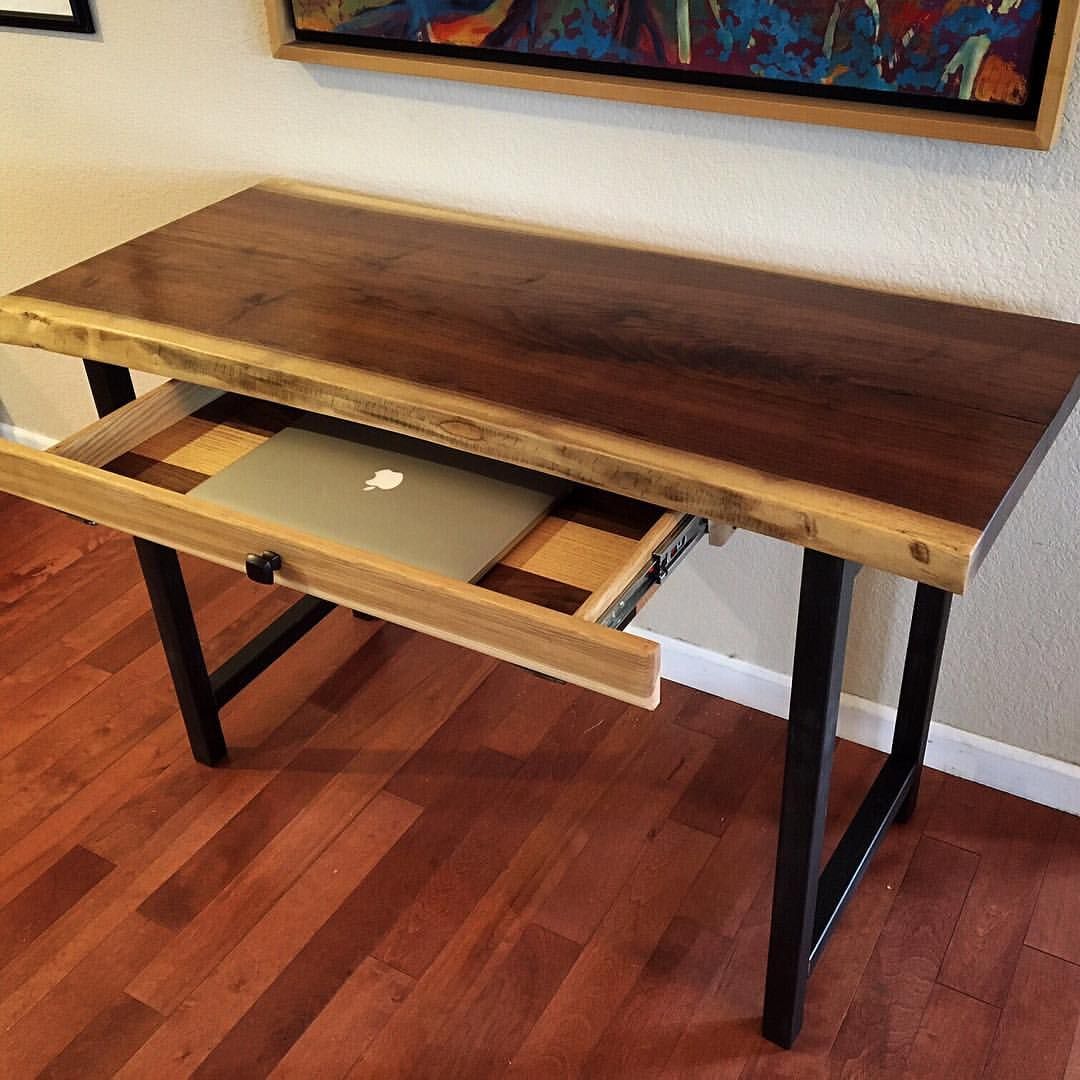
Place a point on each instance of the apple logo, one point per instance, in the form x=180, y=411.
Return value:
x=384, y=480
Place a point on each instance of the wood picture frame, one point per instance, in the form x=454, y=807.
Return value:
x=79, y=21
x=1036, y=133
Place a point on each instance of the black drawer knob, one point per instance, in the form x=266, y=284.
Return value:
x=261, y=568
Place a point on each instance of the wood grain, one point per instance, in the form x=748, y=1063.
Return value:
x=1055, y=925
x=134, y=423
x=661, y=377
x=954, y=1037
x=896, y=988
x=1043, y=1008
x=1013, y=853
x=45, y=900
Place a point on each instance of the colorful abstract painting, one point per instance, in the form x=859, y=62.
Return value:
x=982, y=56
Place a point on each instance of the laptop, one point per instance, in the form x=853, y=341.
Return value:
x=425, y=505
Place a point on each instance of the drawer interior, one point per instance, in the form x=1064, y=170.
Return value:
x=574, y=561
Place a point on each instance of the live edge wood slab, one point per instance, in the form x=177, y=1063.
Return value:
x=892, y=431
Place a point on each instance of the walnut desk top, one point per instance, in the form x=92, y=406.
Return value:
x=891, y=431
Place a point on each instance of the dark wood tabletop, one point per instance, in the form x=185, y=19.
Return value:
x=892, y=430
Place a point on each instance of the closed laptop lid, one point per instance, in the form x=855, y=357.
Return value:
x=425, y=505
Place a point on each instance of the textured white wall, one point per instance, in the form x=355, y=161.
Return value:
x=177, y=104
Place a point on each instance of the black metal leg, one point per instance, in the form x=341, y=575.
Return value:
x=821, y=635
x=180, y=637
x=111, y=388
x=259, y=653
x=926, y=641
x=806, y=904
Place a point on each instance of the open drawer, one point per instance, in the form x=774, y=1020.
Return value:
x=552, y=604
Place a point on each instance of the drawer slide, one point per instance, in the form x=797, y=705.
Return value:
x=674, y=548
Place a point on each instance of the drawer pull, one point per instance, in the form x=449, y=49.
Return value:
x=261, y=568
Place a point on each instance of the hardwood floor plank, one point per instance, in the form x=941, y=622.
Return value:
x=204, y=581
x=269, y=722
x=61, y=602
x=237, y=908
x=1034, y=1037
x=642, y=1035
x=175, y=903
x=189, y=1035
x=162, y=843
x=480, y=1041
x=59, y=656
x=425, y=668
x=47, y=898
x=723, y=1034
x=52, y=553
x=745, y=744
x=340, y=1034
x=612, y=960
x=508, y=907
x=229, y=915
x=519, y=726
x=1072, y=1069
x=498, y=830
x=74, y=779
x=437, y=764
x=105, y=1043
x=262, y=1037
x=25, y=716
x=73, y=1003
x=100, y=719
x=883, y=1020
x=620, y=827
x=719, y=899
x=1055, y=924
x=964, y=815
x=61, y=948
x=30, y=523
x=999, y=908
x=954, y=1037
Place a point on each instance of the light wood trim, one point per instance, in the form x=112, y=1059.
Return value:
x=1058, y=69
x=572, y=553
x=609, y=592
x=559, y=645
x=206, y=448
x=106, y=439
x=1032, y=135
x=891, y=538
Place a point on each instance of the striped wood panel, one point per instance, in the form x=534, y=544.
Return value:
x=571, y=553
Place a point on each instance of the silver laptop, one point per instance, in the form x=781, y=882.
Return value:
x=421, y=504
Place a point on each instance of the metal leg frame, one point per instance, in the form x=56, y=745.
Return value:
x=807, y=904
x=200, y=694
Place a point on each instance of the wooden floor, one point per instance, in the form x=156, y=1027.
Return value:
x=424, y=864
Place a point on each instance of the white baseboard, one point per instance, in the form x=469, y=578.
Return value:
x=1020, y=772
x=24, y=437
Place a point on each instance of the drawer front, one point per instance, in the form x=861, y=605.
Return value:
x=75, y=477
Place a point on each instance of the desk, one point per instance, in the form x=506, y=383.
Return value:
x=866, y=428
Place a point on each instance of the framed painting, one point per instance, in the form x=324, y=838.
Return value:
x=978, y=70
x=74, y=16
